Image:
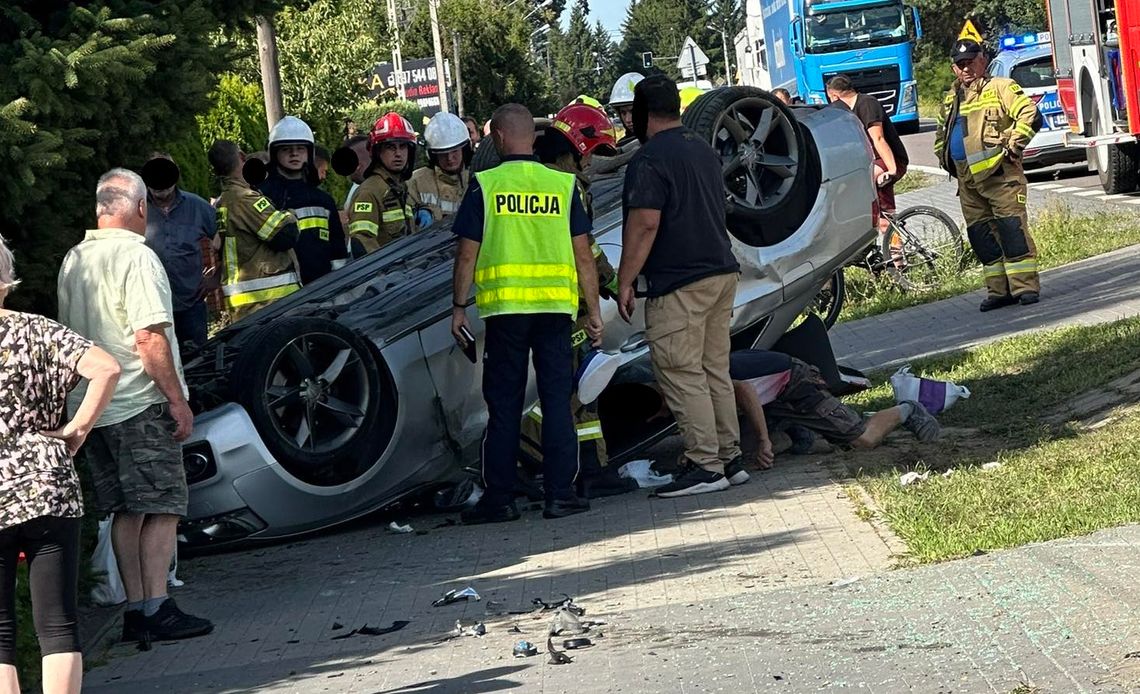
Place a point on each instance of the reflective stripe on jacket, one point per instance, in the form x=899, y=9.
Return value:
x=253, y=272
x=526, y=260
x=999, y=117
x=440, y=192
x=381, y=212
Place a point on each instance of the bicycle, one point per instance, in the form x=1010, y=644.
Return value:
x=920, y=247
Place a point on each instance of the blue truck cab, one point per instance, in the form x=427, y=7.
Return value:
x=870, y=41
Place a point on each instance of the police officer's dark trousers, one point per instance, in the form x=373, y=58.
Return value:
x=510, y=341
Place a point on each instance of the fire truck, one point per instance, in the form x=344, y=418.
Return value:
x=1096, y=56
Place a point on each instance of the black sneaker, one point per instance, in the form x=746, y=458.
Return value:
x=171, y=624
x=693, y=479
x=1028, y=298
x=134, y=624
x=992, y=302
x=735, y=472
x=605, y=482
x=560, y=508
x=488, y=513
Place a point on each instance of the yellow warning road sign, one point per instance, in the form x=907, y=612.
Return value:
x=970, y=31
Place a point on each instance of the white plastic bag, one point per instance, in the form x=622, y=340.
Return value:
x=935, y=396
x=109, y=590
x=641, y=471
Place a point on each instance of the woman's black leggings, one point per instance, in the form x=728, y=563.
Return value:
x=51, y=546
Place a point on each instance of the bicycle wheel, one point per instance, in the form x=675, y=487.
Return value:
x=922, y=246
x=829, y=301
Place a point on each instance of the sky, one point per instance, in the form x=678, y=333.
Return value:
x=610, y=12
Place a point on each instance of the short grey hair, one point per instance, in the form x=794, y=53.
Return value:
x=7, y=268
x=117, y=192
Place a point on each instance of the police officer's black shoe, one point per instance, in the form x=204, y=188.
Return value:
x=992, y=302
x=1028, y=298
x=490, y=513
x=560, y=508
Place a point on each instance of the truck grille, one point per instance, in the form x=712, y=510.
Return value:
x=881, y=83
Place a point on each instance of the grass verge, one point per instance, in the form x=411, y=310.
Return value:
x=1055, y=480
x=1061, y=236
x=912, y=181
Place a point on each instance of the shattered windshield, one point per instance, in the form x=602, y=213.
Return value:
x=857, y=28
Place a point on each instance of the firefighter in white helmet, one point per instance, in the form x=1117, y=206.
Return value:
x=621, y=102
x=438, y=187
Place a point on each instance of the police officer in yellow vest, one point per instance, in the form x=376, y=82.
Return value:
x=256, y=238
x=523, y=241
x=983, y=128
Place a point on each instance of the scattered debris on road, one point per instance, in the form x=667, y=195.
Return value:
x=557, y=657
x=400, y=529
x=457, y=595
x=913, y=478
x=525, y=649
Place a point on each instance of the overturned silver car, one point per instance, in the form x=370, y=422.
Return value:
x=351, y=393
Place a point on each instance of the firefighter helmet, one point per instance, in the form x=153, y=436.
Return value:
x=587, y=128
x=392, y=127
x=622, y=93
x=291, y=130
x=445, y=131
x=586, y=99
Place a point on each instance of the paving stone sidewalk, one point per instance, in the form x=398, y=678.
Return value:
x=1092, y=291
x=1061, y=616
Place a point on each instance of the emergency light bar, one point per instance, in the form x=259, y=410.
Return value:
x=1026, y=40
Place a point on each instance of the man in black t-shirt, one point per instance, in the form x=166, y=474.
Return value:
x=675, y=248
x=890, y=154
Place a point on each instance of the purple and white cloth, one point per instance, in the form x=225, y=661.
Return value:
x=935, y=396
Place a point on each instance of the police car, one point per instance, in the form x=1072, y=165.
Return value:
x=1028, y=60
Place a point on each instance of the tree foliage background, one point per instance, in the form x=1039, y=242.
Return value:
x=84, y=89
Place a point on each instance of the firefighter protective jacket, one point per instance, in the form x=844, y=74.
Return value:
x=998, y=119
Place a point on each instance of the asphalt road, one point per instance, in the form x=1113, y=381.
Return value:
x=920, y=148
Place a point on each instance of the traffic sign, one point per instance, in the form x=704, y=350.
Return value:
x=970, y=31
x=691, y=57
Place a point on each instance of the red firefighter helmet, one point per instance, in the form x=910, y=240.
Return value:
x=587, y=128
x=391, y=127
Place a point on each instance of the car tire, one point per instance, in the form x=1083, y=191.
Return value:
x=1117, y=165
x=319, y=397
x=771, y=178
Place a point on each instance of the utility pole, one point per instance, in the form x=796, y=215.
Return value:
x=270, y=71
x=397, y=58
x=440, y=75
x=458, y=73
x=724, y=47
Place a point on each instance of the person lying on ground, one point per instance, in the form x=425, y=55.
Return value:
x=774, y=387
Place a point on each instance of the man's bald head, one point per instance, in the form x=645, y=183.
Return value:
x=512, y=129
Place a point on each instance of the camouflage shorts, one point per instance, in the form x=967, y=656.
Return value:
x=136, y=465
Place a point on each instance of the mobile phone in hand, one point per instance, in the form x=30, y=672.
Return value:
x=469, y=348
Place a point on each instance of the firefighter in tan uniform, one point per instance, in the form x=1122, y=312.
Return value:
x=983, y=128
x=438, y=187
x=578, y=132
x=257, y=239
x=382, y=210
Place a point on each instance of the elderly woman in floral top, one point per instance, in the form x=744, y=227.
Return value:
x=40, y=502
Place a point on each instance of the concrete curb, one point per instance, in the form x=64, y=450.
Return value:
x=929, y=170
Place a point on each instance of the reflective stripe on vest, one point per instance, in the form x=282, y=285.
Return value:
x=364, y=226
x=449, y=206
x=397, y=215
x=272, y=225
x=526, y=260
x=242, y=293
x=984, y=160
x=313, y=218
